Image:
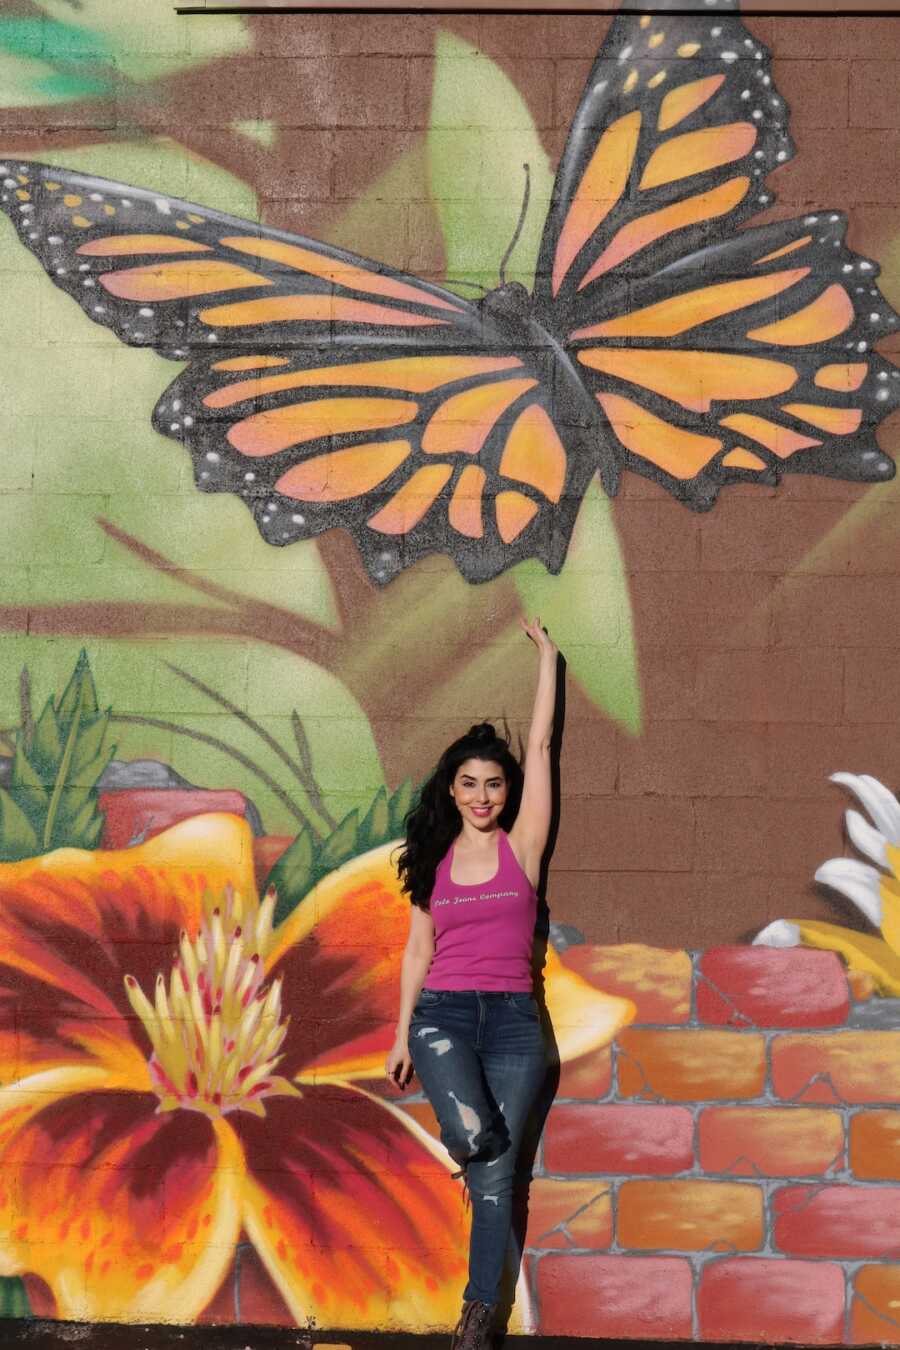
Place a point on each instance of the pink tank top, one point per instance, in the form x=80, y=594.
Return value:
x=483, y=933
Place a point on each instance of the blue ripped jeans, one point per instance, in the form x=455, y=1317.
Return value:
x=481, y=1060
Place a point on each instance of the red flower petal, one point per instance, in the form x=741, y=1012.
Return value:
x=73, y=923
x=354, y=1215
x=125, y=1214
x=339, y=954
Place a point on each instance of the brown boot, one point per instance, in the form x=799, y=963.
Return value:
x=473, y=1330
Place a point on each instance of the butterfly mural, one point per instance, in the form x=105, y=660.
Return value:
x=660, y=338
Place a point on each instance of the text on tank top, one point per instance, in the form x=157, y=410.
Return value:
x=483, y=933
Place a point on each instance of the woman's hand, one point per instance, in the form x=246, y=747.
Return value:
x=398, y=1064
x=544, y=644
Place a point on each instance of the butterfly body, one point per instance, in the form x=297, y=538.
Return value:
x=327, y=390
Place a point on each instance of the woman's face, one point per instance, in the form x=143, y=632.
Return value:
x=480, y=791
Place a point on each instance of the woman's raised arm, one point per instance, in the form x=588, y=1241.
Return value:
x=528, y=835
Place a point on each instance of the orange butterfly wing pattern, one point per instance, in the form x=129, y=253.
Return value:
x=712, y=362
x=322, y=389
x=327, y=390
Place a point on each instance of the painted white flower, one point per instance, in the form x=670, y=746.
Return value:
x=860, y=883
x=875, y=890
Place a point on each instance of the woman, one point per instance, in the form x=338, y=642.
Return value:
x=473, y=1032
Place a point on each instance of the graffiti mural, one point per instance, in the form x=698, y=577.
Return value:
x=447, y=299
x=421, y=421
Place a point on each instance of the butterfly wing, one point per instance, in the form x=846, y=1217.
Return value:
x=711, y=362
x=413, y=452
x=321, y=388
x=178, y=277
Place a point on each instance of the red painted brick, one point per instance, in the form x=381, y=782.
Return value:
x=759, y=986
x=775, y=1141
x=611, y=1296
x=752, y=1298
x=619, y=1138
x=840, y=1221
x=853, y=1066
x=133, y=814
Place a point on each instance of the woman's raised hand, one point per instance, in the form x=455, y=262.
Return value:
x=544, y=644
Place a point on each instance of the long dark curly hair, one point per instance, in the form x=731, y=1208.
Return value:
x=434, y=821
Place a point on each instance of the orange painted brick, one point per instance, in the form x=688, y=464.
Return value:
x=850, y=1066
x=565, y=1214
x=775, y=1141
x=689, y=1215
x=875, y=1315
x=691, y=1066
x=875, y=1145
x=656, y=979
x=588, y=1077
x=753, y=1298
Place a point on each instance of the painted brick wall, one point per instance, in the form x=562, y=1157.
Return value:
x=731, y=1170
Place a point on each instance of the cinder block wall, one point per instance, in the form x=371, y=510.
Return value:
x=726, y=1168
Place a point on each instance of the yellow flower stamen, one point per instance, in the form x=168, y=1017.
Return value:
x=215, y=1030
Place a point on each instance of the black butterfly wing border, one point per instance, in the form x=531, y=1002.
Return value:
x=748, y=360
x=179, y=277
x=411, y=452
x=322, y=389
x=676, y=130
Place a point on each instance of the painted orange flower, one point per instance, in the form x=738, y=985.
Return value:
x=174, y=1074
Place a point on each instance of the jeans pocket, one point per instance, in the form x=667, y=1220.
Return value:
x=429, y=997
x=525, y=1005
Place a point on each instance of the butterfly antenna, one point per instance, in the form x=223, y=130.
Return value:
x=521, y=221
x=452, y=281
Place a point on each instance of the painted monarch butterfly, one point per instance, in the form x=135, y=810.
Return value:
x=325, y=389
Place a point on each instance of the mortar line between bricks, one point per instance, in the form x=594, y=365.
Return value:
x=818, y=1182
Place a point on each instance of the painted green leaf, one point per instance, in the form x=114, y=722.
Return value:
x=292, y=875
x=18, y=838
x=587, y=610
x=480, y=135
x=53, y=793
x=13, y=1297
x=340, y=844
x=159, y=45
x=400, y=803
x=377, y=820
